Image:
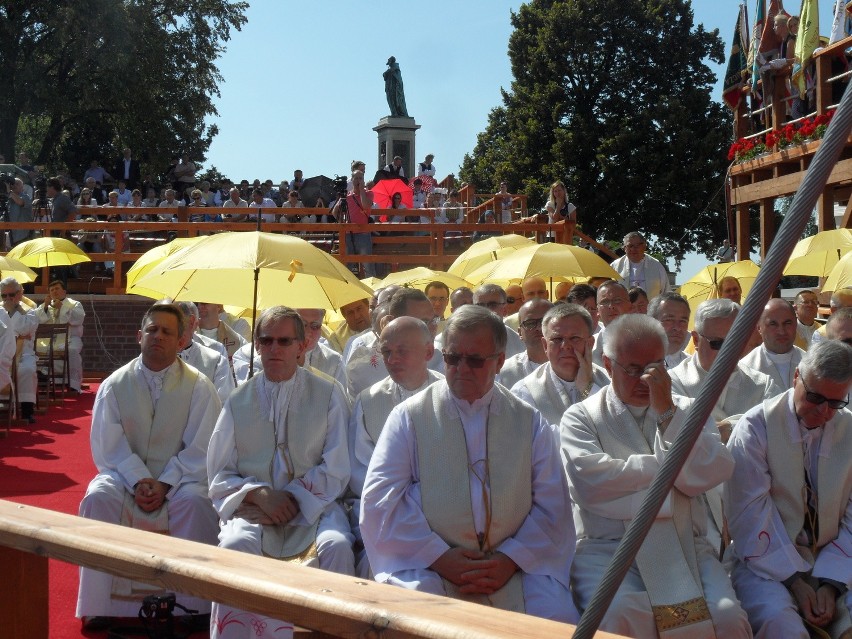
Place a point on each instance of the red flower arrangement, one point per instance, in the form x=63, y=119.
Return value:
x=814, y=128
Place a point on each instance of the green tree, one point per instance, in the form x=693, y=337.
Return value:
x=613, y=98
x=82, y=79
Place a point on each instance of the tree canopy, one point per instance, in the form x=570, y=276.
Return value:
x=613, y=98
x=84, y=78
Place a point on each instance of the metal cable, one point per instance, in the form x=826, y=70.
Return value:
x=770, y=273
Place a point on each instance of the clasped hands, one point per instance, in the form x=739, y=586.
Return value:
x=816, y=606
x=474, y=571
x=267, y=506
x=150, y=494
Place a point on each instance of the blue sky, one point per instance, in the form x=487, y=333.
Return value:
x=303, y=84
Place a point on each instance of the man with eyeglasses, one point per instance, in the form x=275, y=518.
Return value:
x=24, y=324
x=439, y=294
x=151, y=424
x=568, y=376
x=807, y=309
x=278, y=462
x=519, y=366
x=365, y=366
x=613, y=301
x=789, y=502
x=531, y=288
x=614, y=443
x=839, y=325
x=746, y=387
x=777, y=356
x=406, y=348
x=464, y=495
x=672, y=312
x=638, y=269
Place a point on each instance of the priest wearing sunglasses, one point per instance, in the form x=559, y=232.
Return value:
x=789, y=502
x=277, y=462
x=465, y=495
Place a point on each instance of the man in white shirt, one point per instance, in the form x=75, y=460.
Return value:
x=569, y=375
x=151, y=425
x=839, y=325
x=210, y=326
x=443, y=513
x=208, y=361
x=638, y=269
x=672, y=311
x=234, y=201
x=406, y=348
x=58, y=308
x=493, y=297
x=278, y=461
x=777, y=356
x=612, y=302
x=519, y=366
x=613, y=444
x=23, y=324
x=789, y=503
x=268, y=208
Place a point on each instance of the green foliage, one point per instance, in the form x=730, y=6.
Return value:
x=613, y=98
x=84, y=79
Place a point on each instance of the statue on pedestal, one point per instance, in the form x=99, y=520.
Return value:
x=394, y=90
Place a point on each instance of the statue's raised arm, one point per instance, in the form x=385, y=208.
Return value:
x=394, y=91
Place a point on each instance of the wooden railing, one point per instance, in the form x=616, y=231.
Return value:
x=434, y=245
x=329, y=604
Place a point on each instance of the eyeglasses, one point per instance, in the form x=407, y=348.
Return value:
x=559, y=342
x=531, y=324
x=7, y=296
x=491, y=305
x=615, y=302
x=817, y=399
x=284, y=342
x=510, y=300
x=636, y=371
x=438, y=298
x=314, y=326
x=473, y=361
x=714, y=344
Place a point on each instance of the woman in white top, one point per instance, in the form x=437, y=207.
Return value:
x=558, y=207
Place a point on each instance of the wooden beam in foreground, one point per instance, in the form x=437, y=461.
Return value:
x=334, y=604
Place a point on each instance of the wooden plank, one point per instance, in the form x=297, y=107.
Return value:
x=787, y=184
x=767, y=225
x=23, y=595
x=334, y=604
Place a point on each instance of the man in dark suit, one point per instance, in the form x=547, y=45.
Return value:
x=127, y=169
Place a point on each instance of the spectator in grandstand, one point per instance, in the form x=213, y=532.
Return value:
x=151, y=200
x=234, y=201
x=426, y=167
x=184, y=174
x=19, y=209
x=358, y=205
x=97, y=173
x=126, y=169
x=267, y=207
x=62, y=209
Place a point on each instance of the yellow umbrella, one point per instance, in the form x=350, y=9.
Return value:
x=10, y=267
x=817, y=255
x=152, y=258
x=420, y=277
x=551, y=261
x=704, y=284
x=840, y=276
x=48, y=251
x=254, y=270
x=485, y=251
x=372, y=282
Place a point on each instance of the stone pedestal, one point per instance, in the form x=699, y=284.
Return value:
x=396, y=137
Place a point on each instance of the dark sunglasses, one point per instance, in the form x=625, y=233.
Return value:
x=531, y=324
x=714, y=344
x=817, y=399
x=7, y=296
x=473, y=361
x=284, y=342
x=510, y=300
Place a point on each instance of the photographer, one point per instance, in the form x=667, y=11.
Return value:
x=19, y=209
x=357, y=206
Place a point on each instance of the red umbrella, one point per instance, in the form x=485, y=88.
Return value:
x=384, y=190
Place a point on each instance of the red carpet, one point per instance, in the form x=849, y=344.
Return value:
x=49, y=464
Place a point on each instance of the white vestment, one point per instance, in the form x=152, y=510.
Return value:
x=779, y=368
x=551, y=395
x=316, y=491
x=649, y=273
x=402, y=545
x=673, y=359
x=608, y=487
x=7, y=348
x=381, y=397
x=213, y=365
x=515, y=368
x=25, y=323
x=70, y=312
x=120, y=468
x=762, y=508
x=805, y=333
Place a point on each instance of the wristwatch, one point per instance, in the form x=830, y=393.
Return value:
x=664, y=417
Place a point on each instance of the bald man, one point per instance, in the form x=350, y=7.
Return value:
x=839, y=299
x=777, y=357
x=613, y=301
x=519, y=366
x=531, y=288
x=839, y=325
x=406, y=347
